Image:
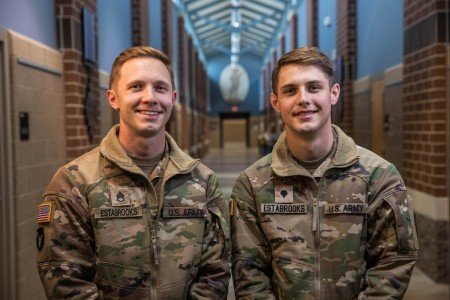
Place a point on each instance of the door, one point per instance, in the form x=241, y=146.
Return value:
x=235, y=125
x=7, y=250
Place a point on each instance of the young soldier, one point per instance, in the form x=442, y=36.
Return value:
x=319, y=217
x=135, y=218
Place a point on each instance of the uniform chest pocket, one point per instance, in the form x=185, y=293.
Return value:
x=343, y=224
x=180, y=242
x=182, y=226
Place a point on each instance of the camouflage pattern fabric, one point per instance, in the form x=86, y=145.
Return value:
x=347, y=234
x=113, y=233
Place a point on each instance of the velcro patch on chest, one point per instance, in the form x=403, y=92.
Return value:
x=284, y=194
x=120, y=196
x=345, y=208
x=284, y=208
x=117, y=212
x=183, y=212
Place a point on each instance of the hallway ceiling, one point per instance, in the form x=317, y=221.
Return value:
x=234, y=28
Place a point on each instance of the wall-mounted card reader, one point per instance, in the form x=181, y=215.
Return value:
x=24, y=127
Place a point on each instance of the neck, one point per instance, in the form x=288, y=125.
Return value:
x=143, y=146
x=310, y=148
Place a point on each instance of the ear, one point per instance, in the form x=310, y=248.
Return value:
x=112, y=99
x=335, y=91
x=174, y=97
x=274, y=102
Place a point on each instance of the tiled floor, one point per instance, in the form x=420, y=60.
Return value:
x=229, y=161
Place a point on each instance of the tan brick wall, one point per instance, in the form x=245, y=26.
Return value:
x=37, y=88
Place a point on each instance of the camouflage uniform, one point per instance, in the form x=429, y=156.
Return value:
x=115, y=234
x=348, y=232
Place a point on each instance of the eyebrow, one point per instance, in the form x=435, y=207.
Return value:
x=164, y=82
x=316, y=82
x=310, y=82
x=143, y=81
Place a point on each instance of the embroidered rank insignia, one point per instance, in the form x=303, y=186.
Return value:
x=120, y=196
x=284, y=194
x=44, y=212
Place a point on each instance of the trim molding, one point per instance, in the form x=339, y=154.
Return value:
x=436, y=208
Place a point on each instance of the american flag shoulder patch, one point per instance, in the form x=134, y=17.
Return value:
x=44, y=212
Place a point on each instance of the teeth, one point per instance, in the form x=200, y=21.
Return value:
x=149, y=112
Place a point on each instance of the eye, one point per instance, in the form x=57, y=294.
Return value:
x=162, y=88
x=136, y=86
x=289, y=91
x=314, y=88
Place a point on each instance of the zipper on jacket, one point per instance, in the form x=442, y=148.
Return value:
x=315, y=188
x=315, y=213
x=316, y=232
x=152, y=223
x=154, y=264
x=155, y=256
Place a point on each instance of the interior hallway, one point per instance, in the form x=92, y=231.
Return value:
x=234, y=157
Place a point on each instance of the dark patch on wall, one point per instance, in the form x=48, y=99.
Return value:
x=431, y=30
x=433, y=245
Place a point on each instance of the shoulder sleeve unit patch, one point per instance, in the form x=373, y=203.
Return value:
x=45, y=212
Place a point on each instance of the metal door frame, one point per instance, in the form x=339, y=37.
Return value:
x=377, y=107
x=7, y=225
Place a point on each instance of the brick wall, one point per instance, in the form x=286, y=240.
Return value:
x=139, y=23
x=313, y=31
x=346, y=48
x=425, y=102
x=166, y=13
x=77, y=77
x=426, y=65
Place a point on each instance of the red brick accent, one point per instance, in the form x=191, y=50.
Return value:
x=346, y=48
x=425, y=101
x=294, y=33
x=69, y=25
x=313, y=31
x=182, y=60
x=140, y=22
x=425, y=108
x=166, y=13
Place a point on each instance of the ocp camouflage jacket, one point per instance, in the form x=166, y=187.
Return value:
x=114, y=234
x=346, y=233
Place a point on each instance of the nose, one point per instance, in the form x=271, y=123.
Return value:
x=303, y=98
x=149, y=96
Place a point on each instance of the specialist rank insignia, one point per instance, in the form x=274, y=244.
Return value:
x=284, y=194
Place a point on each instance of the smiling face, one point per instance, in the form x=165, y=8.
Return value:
x=304, y=98
x=144, y=96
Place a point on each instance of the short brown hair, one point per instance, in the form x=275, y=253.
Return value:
x=304, y=56
x=137, y=52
